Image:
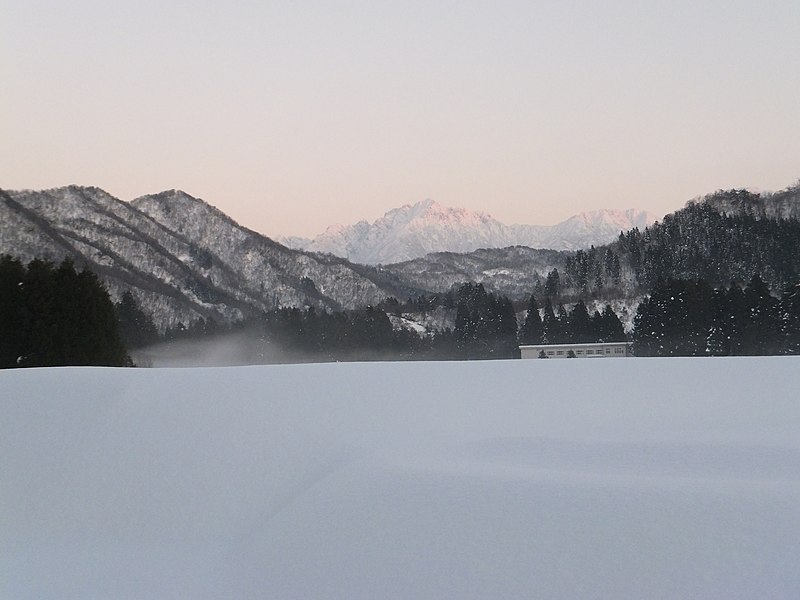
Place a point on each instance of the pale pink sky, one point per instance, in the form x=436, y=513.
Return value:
x=294, y=116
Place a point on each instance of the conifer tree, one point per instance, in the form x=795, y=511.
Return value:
x=15, y=318
x=136, y=328
x=719, y=343
x=762, y=332
x=580, y=325
x=532, y=329
x=735, y=319
x=506, y=345
x=552, y=286
x=60, y=317
x=562, y=332
x=611, y=327
x=790, y=320
x=549, y=324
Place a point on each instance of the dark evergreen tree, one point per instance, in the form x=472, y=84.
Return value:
x=698, y=315
x=372, y=329
x=43, y=339
x=790, y=320
x=15, y=317
x=598, y=325
x=486, y=326
x=690, y=319
x=561, y=335
x=60, y=317
x=735, y=319
x=549, y=324
x=612, y=266
x=675, y=320
x=552, y=286
x=579, y=270
x=532, y=330
x=616, y=271
x=506, y=344
x=719, y=341
x=136, y=328
x=763, y=330
x=580, y=325
x=610, y=327
x=466, y=330
x=598, y=277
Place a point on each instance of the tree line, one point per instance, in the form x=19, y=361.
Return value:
x=697, y=242
x=692, y=318
x=573, y=327
x=678, y=318
x=56, y=316
x=485, y=327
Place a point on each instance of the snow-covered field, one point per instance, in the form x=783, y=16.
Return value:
x=618, y=478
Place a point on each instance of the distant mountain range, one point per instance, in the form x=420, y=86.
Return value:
x=184, y=259
x=724, y=236
x=412, y=231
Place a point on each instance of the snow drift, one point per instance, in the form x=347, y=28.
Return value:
x=628, y=478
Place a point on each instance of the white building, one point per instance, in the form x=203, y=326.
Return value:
x=600, y=350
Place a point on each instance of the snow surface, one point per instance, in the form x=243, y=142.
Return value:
x=626, y=478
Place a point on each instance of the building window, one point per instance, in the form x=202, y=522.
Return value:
x=608, y=350
x=618, y=350
x=578, y=351
x=560, y=353
x=549, y=353
x=589, y=352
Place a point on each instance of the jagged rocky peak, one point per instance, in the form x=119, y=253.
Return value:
x=616, y=216
x=590, y=228
x=413, y=230
x=430, y=212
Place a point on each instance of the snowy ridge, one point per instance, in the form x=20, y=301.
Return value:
x=511, y=272
x=181, y=257
x=412, y=231
x=784, y=204
x=620, y=478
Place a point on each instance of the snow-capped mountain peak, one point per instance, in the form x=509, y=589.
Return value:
x=414, y=230
x=430, y=213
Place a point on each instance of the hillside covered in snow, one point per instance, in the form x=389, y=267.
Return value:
x=626, y=478
x=185, y=262
x=182, y=258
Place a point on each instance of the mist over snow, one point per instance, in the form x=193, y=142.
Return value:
x=626, y=478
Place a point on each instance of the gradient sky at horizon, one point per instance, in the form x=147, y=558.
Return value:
x=294, y=116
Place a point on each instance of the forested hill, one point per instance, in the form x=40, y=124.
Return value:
x=784, y=204
x=181, y=258
x=725, y=236
x=700, y=242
